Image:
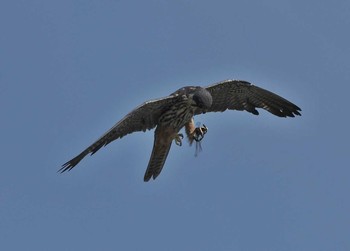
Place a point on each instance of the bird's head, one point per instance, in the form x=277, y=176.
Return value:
x=202, y=98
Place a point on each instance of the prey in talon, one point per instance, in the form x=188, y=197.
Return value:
x=195, y=134
x=199, y=133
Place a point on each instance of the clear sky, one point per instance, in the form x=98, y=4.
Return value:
x=69, y=70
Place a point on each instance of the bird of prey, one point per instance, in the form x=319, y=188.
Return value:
x=170, y=114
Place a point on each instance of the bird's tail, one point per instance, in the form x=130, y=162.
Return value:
x=159, y=154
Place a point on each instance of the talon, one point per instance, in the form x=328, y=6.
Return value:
x=204, y=129
x=199, y=133
x=178, y=139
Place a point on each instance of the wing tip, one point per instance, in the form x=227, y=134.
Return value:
x=295, y=111
x=66, y=167
x=72, y=163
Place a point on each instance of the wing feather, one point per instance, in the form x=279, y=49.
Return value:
x=242, y=95
x=142, y=118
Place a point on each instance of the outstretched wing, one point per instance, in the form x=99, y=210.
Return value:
x=142, y=118
x=242, y=95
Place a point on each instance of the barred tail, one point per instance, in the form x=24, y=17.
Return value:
x=159, y=154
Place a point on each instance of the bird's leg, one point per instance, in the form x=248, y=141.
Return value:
x=178, y=139
x=195, y=133
x=199, y=132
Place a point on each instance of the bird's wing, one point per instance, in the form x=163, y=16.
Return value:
x=141, y=118
x=242, y=95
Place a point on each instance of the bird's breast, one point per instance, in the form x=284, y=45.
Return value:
x=177, y=115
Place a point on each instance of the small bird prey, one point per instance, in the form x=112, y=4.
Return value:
x=170, y=114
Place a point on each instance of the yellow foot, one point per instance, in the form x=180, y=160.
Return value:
x=199, y=133
x=178, y=139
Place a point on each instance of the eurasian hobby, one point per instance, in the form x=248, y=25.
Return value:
x=170, y=114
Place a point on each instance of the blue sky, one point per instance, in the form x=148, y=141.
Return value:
x=69, y=70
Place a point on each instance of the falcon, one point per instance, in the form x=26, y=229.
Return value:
x=171, y=113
